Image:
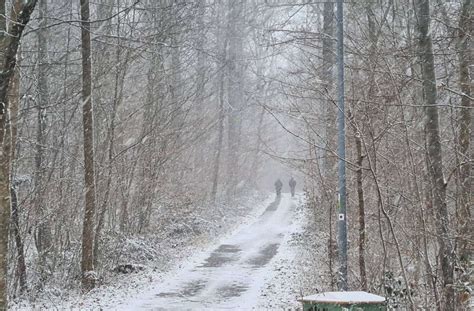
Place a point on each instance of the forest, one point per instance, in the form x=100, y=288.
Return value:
x=134, y=132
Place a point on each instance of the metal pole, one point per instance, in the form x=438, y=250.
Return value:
x=341, y=153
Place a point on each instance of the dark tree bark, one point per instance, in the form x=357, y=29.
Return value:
x=329, y=113
x=21, y=264
x=434, y=154
x=43, y=237
x=9, y=42
x=87, y=263
x=465, y=62
x=465, y=54
x=13, y=102
x=360, y=196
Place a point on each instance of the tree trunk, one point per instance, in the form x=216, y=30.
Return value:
x=222, y=50
x=9, y=42
x=464, y=156
x=360, y=195
x=200, y=150
x=234, y=92
x=465, y=62
x=87, y=263
x=43, y=238
x=220, y=137
x=21, y=265
x=329, y=112
x=434, y=155
x=13, y=102
x=329, y=132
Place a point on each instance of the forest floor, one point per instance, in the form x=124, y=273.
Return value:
x=263, y=263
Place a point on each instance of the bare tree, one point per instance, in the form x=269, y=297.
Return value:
x=221, y=46
x=434, y=152
x=465, y=55
x=9, y=42
x=43, y=235
x=87, y=263
x=234, y=91
x=14, y=99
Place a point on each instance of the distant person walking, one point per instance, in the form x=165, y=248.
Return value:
x=278, y=186
x=292, y=184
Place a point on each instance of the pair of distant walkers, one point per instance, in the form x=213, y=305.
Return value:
x=279, y=186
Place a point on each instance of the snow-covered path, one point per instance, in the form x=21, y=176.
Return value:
x=232, y=275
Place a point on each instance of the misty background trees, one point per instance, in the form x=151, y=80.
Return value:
x=127, y=116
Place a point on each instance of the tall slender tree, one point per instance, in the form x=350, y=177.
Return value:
x=465, y=55
x=221, y=46
x=43, y=236
x=9, y=42
x=87, y=263
x=434, y=157
x=329, y=117
x=235, y=28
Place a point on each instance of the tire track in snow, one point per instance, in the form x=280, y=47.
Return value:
x=231, y=276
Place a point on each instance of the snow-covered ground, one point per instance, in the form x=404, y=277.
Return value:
x=233, y=274
x=262, y=264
